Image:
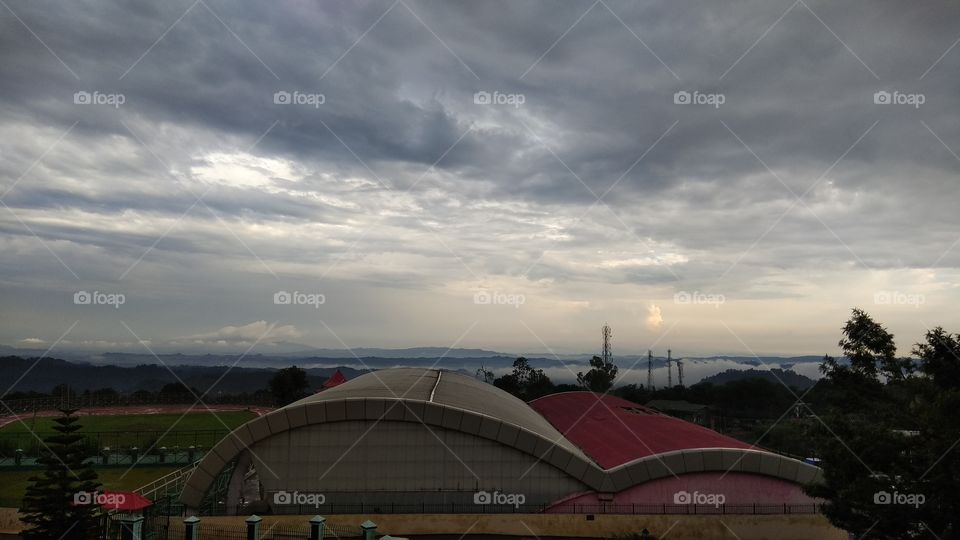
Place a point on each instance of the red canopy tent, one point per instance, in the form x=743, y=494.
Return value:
x=335, y=380
x=123, y=501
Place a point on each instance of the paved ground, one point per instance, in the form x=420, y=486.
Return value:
x=141, y=409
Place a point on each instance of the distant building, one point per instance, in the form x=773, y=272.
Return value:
x=692, y=412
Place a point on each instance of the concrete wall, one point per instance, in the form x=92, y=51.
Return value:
x=812, y=527
x=402, y=462
x=734, y=488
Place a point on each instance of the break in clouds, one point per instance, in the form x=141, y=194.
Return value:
x=710, y=177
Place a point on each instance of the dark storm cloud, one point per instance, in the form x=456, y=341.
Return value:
x=400, y=178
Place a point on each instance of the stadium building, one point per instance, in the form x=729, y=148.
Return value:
x=409, y=440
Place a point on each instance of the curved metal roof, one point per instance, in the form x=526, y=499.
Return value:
x=459, y=402
x=445, y=388
x=614, y=431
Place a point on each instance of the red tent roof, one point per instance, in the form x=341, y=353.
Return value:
x=125, y=501
x=335, y=380
x=614, y=431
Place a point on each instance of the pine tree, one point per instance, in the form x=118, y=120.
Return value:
x=58, y=504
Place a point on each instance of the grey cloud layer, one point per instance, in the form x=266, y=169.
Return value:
x=479, y=196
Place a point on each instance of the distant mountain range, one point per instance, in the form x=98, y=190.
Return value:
x=135, y=371
x=50, y=372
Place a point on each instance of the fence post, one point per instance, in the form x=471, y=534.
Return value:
x=191, y=528
x=131, y=528
x=316, y=527
x=253, y=527
x=368, y=530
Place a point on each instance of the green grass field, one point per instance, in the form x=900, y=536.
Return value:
x=141, y=422
x=13, y=484
x=142, y=430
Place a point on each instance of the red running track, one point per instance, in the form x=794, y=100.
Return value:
x=139, y=409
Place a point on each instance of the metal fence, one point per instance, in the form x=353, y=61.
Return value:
x=164, y=528
x=80, y=401
x=628, y=509
x=106, y=448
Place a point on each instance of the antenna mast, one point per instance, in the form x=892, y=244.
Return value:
x=606, y=343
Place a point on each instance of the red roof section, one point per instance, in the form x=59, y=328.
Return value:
x=614, y=431
x=335, y=380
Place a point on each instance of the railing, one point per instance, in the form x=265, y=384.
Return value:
x=167, y=484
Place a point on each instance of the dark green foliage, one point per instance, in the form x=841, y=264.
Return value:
x=525, y=382
x=600, y=377
x=49, y=505
x=885, y=432
x=289, y=385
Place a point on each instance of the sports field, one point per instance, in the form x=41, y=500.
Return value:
x=201, y=428
x=13, y=484
x=194, y=421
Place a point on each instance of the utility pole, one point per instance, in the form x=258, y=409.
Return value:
x=680, y=371
x=649, y=371
x=669, y=370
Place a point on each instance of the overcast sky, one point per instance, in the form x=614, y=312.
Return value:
x=710, y=177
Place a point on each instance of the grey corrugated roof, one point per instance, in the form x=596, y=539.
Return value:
x=453, y=390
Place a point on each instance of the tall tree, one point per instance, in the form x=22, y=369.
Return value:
x=485, y=375
x=600, y=377
x=524, y=381
x=887, y=435
x=289, y=385
x=59, y=502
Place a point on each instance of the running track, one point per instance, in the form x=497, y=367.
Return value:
x=139, y=409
